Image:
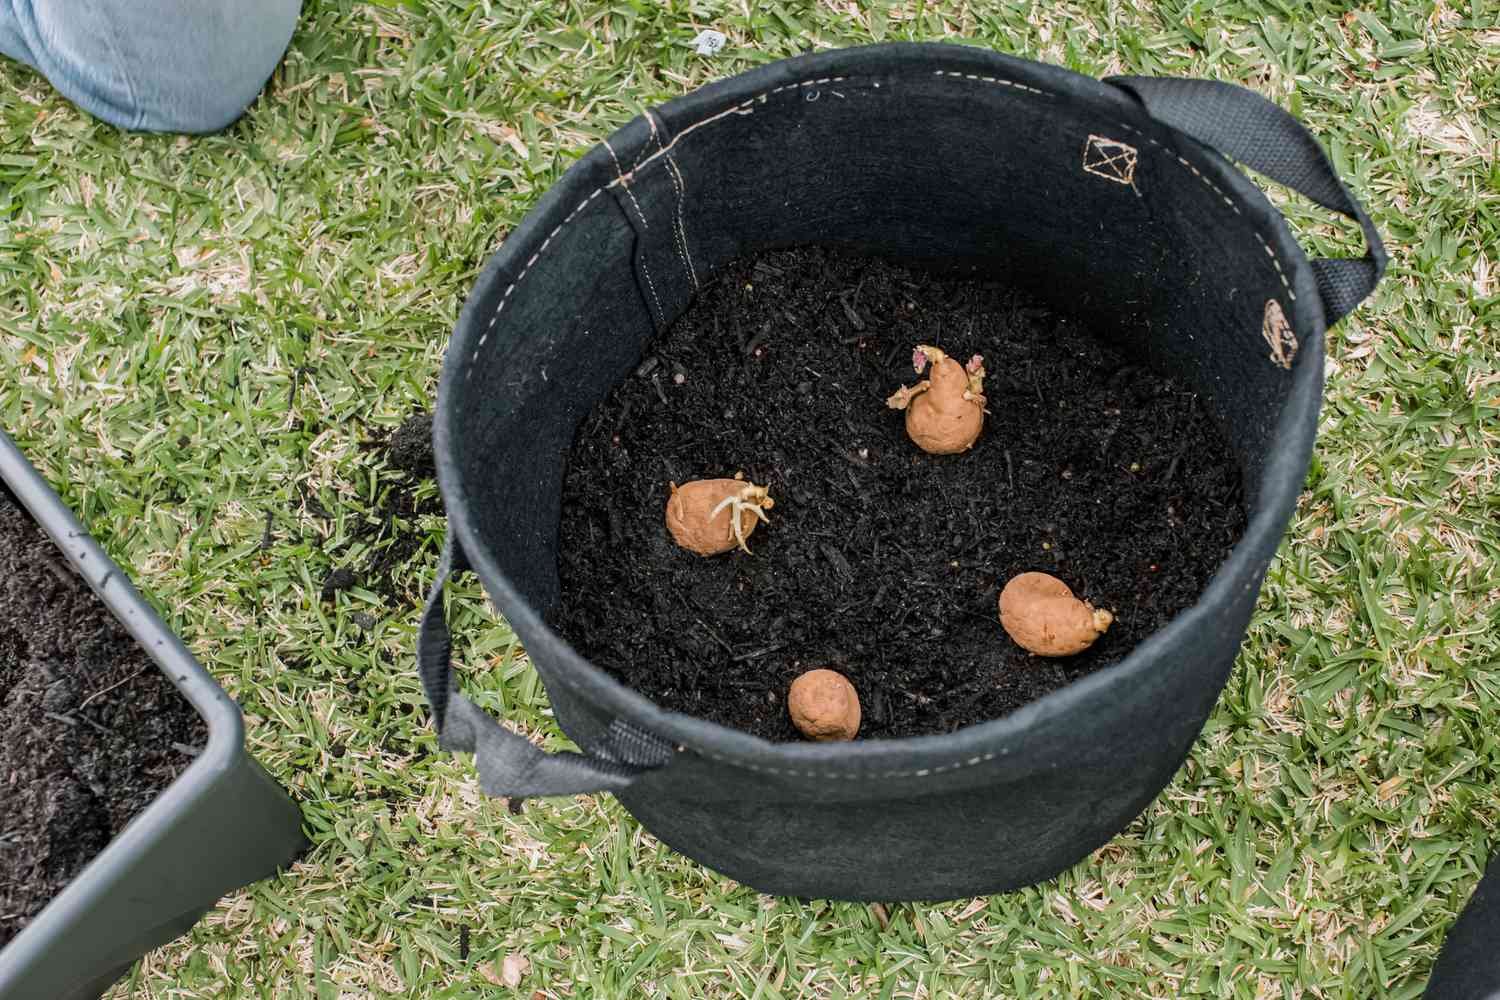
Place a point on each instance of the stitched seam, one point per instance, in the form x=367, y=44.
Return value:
x=999, y=81
x=500, y=307
x=652, y=285
x=1183, y=162
x=742, y=108
x=629, y=193
x=745, y=107
x=1118, y=167
x=687, y=255
x=678, y=238
x=646, y=146
x=645, y=269
x=679, y=233
x=856, y=776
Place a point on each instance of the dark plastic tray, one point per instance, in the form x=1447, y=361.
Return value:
x=221, y=825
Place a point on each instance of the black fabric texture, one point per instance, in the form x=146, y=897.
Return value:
x=948, y=156
x=1246, y=127
x=507, y=762
x=1468, y=968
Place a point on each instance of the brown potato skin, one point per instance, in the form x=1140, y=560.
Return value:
x=824, y=706
x=1041, y=614
x=688, y=510
x=941, y=421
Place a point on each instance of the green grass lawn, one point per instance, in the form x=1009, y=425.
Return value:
x=201, y=337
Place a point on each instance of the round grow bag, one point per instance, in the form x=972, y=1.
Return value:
x=1114, y=200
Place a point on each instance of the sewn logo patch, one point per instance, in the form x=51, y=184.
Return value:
x=1279, y=335
x=1109, y=158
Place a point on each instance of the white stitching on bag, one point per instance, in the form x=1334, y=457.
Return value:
x=655, y=137
x=681, y=185
x=837, y=775
x=1000, y=81
x=628, y=193
x=644, y=269
x=500, y=306
x=745, y=108
x=1111, y=159
x=1183, y=161
x=679, y=233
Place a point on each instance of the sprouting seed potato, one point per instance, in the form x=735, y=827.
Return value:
x=1043, y=616
x=710, y=516
x=945, y=411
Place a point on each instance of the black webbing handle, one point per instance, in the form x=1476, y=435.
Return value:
x=1250, y=129
x=509, y=764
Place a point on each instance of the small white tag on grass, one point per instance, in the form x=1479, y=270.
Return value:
x=709, y=42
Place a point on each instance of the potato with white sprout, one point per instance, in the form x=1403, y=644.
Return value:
x=710, y=516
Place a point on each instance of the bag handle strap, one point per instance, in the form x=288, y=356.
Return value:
x=508, y=763
x=1246, y=127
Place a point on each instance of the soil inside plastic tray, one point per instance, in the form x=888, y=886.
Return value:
x=880, y=561
x=91, y=730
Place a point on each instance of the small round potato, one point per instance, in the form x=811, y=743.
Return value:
x=824, y=706
x=1041, y=614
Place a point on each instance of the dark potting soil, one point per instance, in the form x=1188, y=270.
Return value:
x=91, y=731
x=880, y=561
x=389, y=527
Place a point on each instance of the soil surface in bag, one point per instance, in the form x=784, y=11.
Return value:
x=880, y=561
x=91, y=731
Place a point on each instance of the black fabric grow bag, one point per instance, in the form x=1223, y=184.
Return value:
x=1469, y=966
x=223, y=824
x=1110, y=199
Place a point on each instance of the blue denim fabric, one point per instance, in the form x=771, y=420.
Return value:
x=156, y=65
